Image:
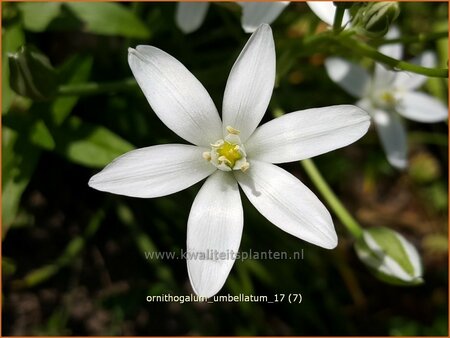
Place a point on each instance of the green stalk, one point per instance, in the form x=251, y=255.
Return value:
x=415, y=38
x=365, y=50
x=333, y=201
x=95, y=88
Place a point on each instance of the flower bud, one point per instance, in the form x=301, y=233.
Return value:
x=31, y=74
x=389, y=256
x=374, y=18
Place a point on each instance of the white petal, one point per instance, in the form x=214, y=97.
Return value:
x=307, y=133
x=407, y=80
x=413, y=255
x=175, y=95
x=250, y=84
x=325, y=11
x=392, y=136
x=388, y=265
x=286, y=202
x=189, y=16
x=153, y=171
x=422, y=107
x=214, y=233
x=354, y=79
x=383, y=76
x=394, y=50
x=256, y=13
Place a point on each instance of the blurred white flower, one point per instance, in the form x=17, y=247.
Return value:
x=325, y=11
x=388, y=94
x=256, y=13
x=189, y=16
x=230, y=153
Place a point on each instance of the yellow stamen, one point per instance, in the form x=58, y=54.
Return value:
x=233, y=131
x=225, y=160
x=245, y=167
x=207, y=155
x=230, y=153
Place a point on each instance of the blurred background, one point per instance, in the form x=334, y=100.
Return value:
x=73, y=259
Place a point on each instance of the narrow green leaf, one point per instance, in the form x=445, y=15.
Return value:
x=87, y=144
x=71, y=252
x=107, y=18
x=37, y=16
x=80, y=142
x=75, y=70
x=23, y=137
x=19, y=159
x=31, y=74
x=12, y=39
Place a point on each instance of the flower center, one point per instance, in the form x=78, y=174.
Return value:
x=229, y=153
x=385, y=99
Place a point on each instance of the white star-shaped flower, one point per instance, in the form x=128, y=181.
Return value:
x=388, y=95
x=189, y=16
x=325, y=11
x=231, y=153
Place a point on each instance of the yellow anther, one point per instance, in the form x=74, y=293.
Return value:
x=230, y=153
x=217, y=144
x=224, y=159
x=207, y=155
x=245, y=167
x=233, y=131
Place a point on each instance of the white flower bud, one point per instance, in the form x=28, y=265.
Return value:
x=389, y=256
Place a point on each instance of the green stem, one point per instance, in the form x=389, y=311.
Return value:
x=415, y=38
x=333, y=201
x=338, y=15
x=95, y=88
x=364, y=50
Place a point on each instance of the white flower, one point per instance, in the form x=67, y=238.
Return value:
x=189, y=16
x=230, y=153
x=389, y=94
x=325, y=10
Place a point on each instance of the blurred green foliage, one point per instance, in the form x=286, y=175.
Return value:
x=74, y=257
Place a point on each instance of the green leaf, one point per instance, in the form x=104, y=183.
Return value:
x=12, y=39
x=109, y=19
x=87, y=144
x=19, y=160
x=37, y=16
x=32, y=128
x=71, y=252
x=9, y=267
x=76, y=70
x=31, y=74
x=80, y=142
x=21, y=147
